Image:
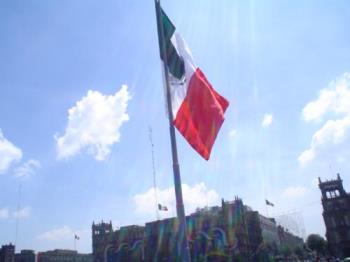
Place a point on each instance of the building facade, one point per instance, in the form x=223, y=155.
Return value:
x=59, y=255
x=230, y=232
x=216, y=233
x=288, y=239
x=102, y=239
x=124, y=244
x=7, y=253
x=266, y=238
x=336, y=215
x=269, y=232
x=25, y=256
x=255, y=238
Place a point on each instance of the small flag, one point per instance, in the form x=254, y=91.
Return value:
x=162, y=208
x=269, y=203
x=198, y=109
x=76, y=237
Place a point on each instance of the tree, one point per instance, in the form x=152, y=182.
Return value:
x=316, y=243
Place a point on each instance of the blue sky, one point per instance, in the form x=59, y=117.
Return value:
x=283, y=65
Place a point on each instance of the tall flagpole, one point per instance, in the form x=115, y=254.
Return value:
x=154, y=174
x=182, y=237
x=18, y=208
x=267, y=209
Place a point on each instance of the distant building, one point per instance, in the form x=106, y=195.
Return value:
x=255, y=238
x=266, y=237
x=7, y=253
x=63, y=255
x=102, y=238
x=228, y=232
x=124, y=243
x=336, y=215
x=269, y=232
x=211, y=231
x=215, y=231
x=288, y=239
x=25, y=256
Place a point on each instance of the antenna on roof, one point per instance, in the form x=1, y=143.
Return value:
x=154, y=174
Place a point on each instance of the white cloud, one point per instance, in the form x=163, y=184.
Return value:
x=332, y=102
x=62, y=237
x=335, y=98
x=333, y=132
x=232, y=133
x=60, y=233
x=4, y=213
x=294, y=192
x=197, y=196
x=306, y=157
x=93, y=124
x=28, y=168
x=22, y=213
x=314, y=110
x=267, y=120
x=9, y=153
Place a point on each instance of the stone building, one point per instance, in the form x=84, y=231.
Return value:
x=216, y=232
x=255, y=238
x=230, y=232
x=25, y=256
x=59, y=255
x=102, y=238
x=7, y=253
x=336, y=215
x=267, y=238
x=269, y=232
x=123, y=244
x=287, y=239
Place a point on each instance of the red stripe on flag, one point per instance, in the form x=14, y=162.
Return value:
x=201, y=114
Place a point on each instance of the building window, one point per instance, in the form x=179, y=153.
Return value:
x=328, y=194
x=332, y=193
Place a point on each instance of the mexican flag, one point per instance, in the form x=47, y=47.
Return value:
x=162, y=208
x=197, y=108
x=268, y=203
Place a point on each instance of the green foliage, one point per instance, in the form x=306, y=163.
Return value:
x=317, y=243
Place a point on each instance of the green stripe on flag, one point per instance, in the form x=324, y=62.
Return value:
x=175, y=63
x=168, y=27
